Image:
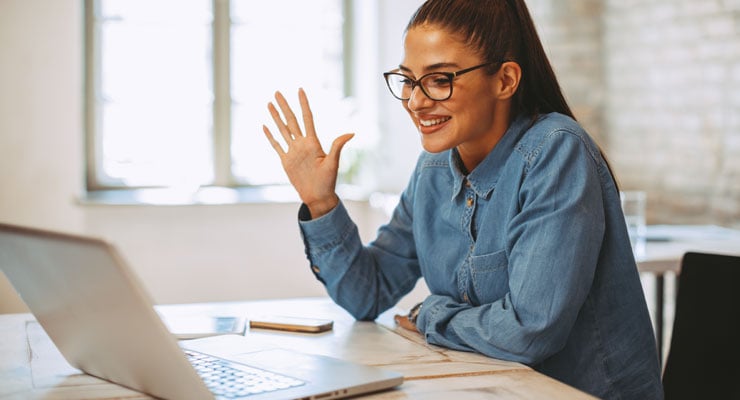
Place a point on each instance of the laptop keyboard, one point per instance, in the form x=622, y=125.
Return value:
x=231, y=380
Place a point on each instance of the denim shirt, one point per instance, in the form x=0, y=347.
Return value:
x=527, y=258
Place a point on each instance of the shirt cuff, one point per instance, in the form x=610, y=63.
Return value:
x=327, y=231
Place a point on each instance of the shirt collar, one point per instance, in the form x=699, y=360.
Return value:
x=484, y=177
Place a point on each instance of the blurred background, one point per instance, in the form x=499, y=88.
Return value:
x=140, y=122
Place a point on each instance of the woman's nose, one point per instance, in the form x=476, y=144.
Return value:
x=418, y=99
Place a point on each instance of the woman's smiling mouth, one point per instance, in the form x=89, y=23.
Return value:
x=433, y=122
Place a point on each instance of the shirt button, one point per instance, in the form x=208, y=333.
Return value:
x=470, y=202
x=315, y=269
x=465, y=297
x=467, y=183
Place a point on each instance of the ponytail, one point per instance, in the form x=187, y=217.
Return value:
x=540, y=92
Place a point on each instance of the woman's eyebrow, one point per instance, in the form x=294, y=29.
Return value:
x=403, y=69
x=431, y=68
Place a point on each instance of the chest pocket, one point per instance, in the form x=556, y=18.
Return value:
x=489, y=277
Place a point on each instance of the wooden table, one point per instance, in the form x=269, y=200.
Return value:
x=664, y=249
x=32, y=368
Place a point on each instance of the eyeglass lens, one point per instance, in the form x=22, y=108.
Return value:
x=437, y=86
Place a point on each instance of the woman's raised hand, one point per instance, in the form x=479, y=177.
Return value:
x=312, y=172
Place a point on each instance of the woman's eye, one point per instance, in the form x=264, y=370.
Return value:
x=441, y=81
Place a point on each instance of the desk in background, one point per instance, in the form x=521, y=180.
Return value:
x=664, y=249
x=32, y=368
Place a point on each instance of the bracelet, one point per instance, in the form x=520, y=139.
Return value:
x=414, y=313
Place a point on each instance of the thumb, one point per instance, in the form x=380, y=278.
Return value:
x=338, y=144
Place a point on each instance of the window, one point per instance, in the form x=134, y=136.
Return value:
x=177, y=91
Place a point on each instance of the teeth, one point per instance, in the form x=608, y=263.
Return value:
x=430, y=122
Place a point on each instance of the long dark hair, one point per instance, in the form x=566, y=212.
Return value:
x=503, y=30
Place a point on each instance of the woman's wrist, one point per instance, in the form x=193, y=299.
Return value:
x=322, y=207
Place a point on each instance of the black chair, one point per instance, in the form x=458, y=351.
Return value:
x=704, y=358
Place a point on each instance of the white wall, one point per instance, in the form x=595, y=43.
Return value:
x=40, y=118
x=181, y=253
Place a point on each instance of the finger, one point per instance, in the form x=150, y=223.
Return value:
x=338, y=144
x=307, y=114
x=273, y=142
x=403, y=322
x=290, y=118
x=279, y=123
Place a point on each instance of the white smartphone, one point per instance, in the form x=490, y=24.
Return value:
x=291, y=324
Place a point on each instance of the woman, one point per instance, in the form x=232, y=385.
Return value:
x=512, y=216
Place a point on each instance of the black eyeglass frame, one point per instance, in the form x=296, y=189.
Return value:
x=417, y=82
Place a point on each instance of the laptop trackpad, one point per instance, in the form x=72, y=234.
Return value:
x=300, y=365
x=324, y=372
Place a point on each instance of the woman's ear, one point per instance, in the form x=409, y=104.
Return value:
x=510, y=75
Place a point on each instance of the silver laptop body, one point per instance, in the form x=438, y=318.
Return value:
x=101, y=319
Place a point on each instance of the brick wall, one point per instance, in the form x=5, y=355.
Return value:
x=657, y=83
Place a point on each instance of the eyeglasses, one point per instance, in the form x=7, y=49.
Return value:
x=436, y=85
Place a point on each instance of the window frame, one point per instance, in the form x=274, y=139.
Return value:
x=222, y=102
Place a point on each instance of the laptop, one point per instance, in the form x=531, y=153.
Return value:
x=103, y=322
